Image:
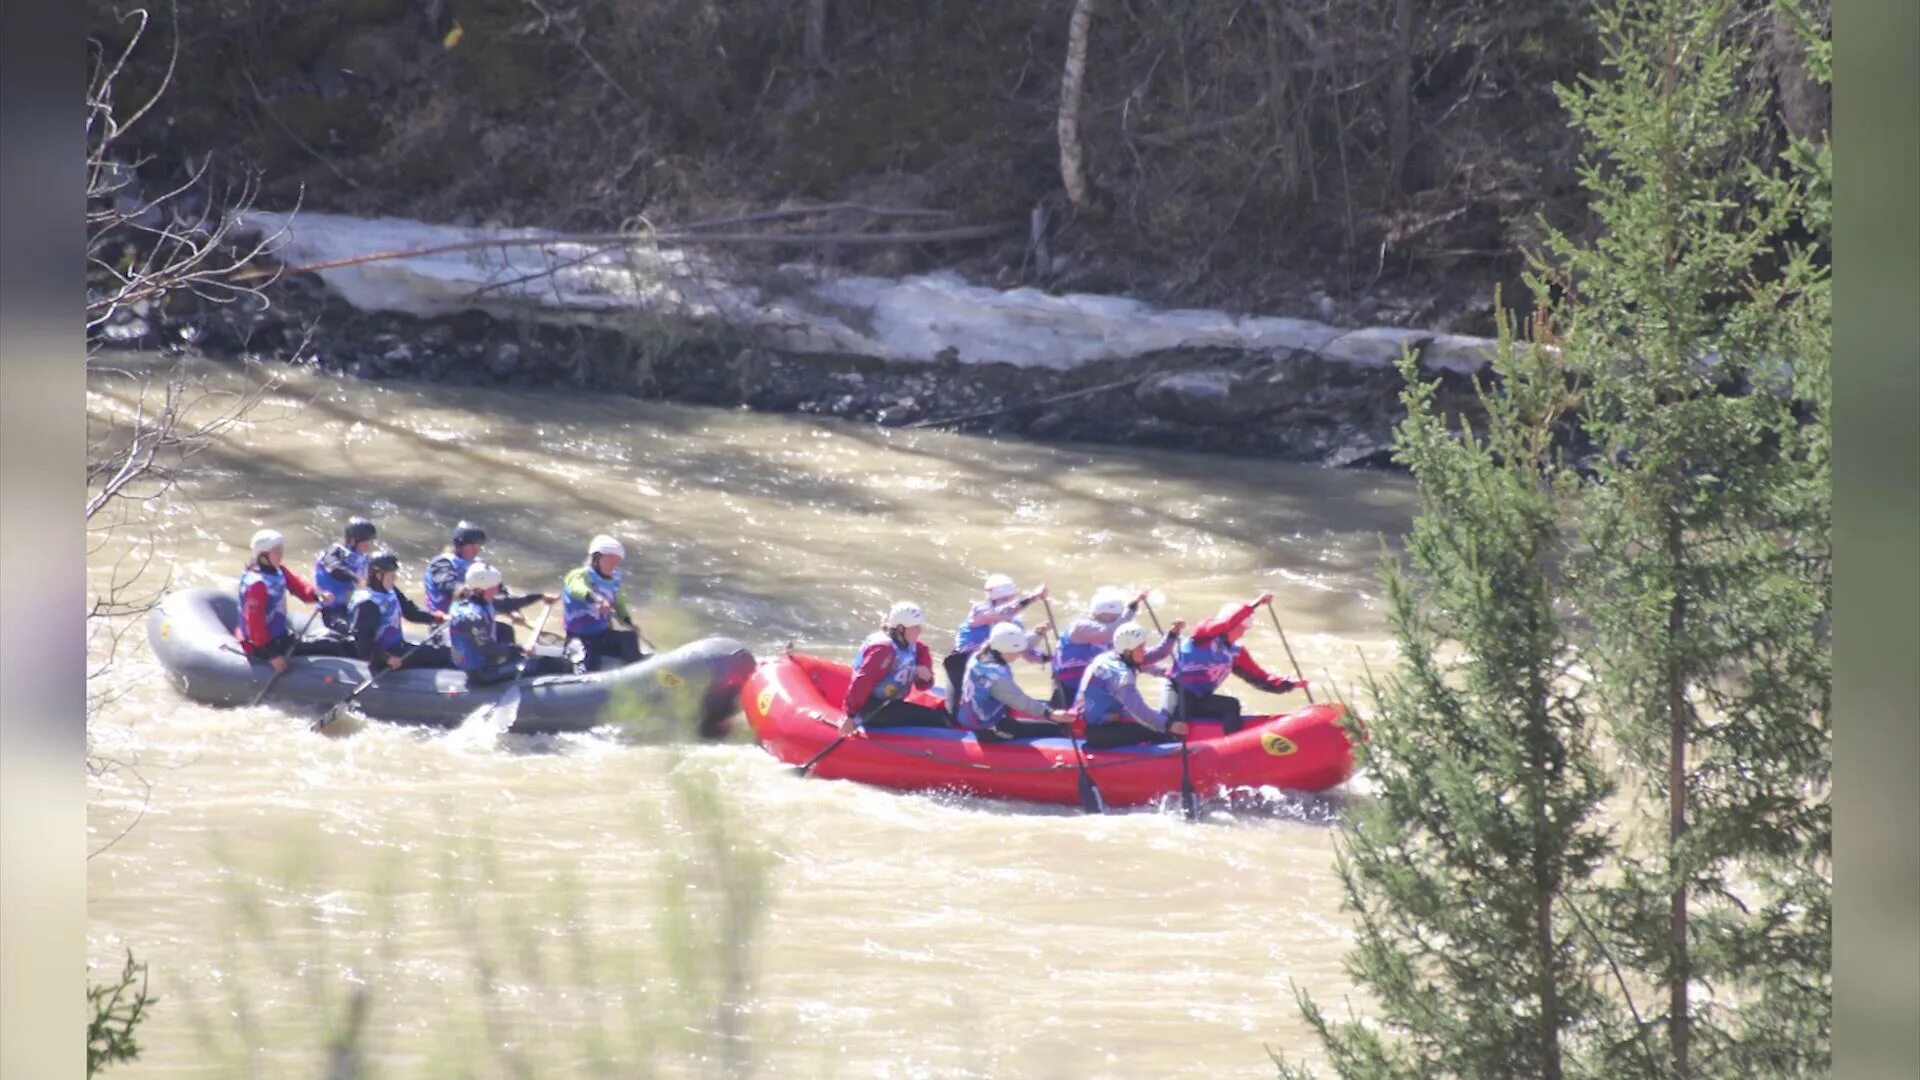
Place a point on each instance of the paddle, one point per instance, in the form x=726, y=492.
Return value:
x=1187, y=798
x=1289, y=648
x=802, y=770
x=1091, y=801
x=1156, y=619
x=339, y=711
x=262, y=695
x=507, y=709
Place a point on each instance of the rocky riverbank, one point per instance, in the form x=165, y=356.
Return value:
x=1331, y=399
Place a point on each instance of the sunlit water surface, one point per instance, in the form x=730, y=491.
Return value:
x=552, y=906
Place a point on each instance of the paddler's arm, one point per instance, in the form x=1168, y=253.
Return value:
x=414, y=613
x=1165, y=648
x=922, y=665
x=1247, y=668
x=507, y=605
x=1008, y=693
x=867, y=672
x=1137, y=709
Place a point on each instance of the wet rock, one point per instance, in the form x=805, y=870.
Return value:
x=505, y=359
x=896, y=415
x=1153, y=431
x=1208, y=396
x=1049, y=422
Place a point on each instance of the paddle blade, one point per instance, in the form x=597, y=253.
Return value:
x=1090, y=800
x=506, y=710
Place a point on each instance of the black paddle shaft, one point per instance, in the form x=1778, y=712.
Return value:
x=275, y=677
x=815, y=759
x=1188, y=800
x=376, y=676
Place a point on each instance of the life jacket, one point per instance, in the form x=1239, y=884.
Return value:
x=969, y=637
x=1098, y=701
x=436, y=599
x=340, y=587
x=276, y=584
x=1070, y=660
x=581, y=619
x=979, y=709
x=470, y=617
x=390, y=636
x=898, y=682
x=1201, y=665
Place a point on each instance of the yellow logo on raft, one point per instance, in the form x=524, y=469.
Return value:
x=765, y=700
x=669, y=680
x=1276, y=744
x=166, y=629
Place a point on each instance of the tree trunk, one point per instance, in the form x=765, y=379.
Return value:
x=1072, y=168
x=1679, y=1029
x=1805, y=105
x=815, y=42
x=1400, y=100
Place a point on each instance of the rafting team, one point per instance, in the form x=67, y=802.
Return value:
x=1094, y=668
x=355, y=594
x=1094, y=671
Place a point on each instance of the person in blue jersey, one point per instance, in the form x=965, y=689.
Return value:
x=264, y=584
x=447, y=571
x=342, y=568
x=377, y=611
x=1110, y=701
x=471, y=637
x=592, y=596
x=1002, y=605
x=892, y=663
x=989, y=694
x=1092, y=634
x=1204, y=660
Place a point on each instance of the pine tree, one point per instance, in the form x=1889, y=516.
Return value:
x=1699, y=327
x=1686, y=562
x=1468, y=873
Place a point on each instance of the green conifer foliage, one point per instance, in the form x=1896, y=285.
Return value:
x=1684, y=560
x=1699, y=325
x=1466, y=874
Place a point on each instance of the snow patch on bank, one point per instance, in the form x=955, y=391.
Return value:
x=800, y=309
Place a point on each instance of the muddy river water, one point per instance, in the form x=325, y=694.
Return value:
x=433, y=905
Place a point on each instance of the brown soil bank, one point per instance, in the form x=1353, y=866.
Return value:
x=1362, y=161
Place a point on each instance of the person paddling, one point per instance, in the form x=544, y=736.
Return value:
x=472, y=630
x=1204, y=660
x=892, y=662
x=1109, y=699
x=1092, y=634
x=376, y=611
x=593, y=601
x=264, y=585
x=990, y=694
x=1002, y=605
x=447, y=571
x=342, y=568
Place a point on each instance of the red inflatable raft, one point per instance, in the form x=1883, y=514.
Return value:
x=793, y=704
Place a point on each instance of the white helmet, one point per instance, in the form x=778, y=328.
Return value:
x=483, y=576
x=1129, y=637
x=1109, y=603
x=266, y=540
x=905, y=613
x=999, y=587
x=1007, y=639
x=605, y=545
x=1227, y=611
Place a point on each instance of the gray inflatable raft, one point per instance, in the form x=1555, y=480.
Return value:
x=694, y=688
